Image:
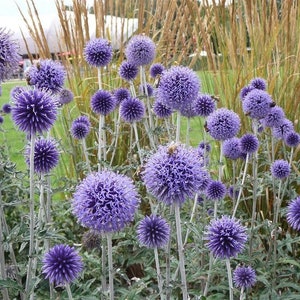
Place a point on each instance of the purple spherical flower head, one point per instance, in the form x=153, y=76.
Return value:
x=62, y=264
x=156, y=70
x=9, y=57
x=226, y=237
x=257, y=104
x=173, y=174
x=161, y=110
x=34, y=111
x=1, y=119
x=79, y=130
x=132, y=110
x=204, y=105
x=140, y=50
x=223, y=124
x=6, y=108
x=121, y=94
x=149, y=92
x=128, y=71
x=65, y=96
x=153, y=232
x=105, y=201
x=46, y=155
x=244, y=277
x=280, y=169
x=231, y=148
x=178, y=87
x=249, y=143
x=259, y=83
x=98, y=52
x=274, y=117
x=215, y=191
x=47, y=74
x=281, y=131
x=83, y=119
x=103, y=103
x=245, y=91
x=292, y=139
x=293, y=213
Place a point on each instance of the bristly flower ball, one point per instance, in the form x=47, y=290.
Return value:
x=215, y=191
x=231, y=148
x=204, y=105
x=280, y=169
x=293, y=213
x=274, y=117
x=223, y=124
x=105, y=201
x=283, y=129
x=156, y=70
x=6, y=108
x=121, y=94
x=132, y=110
x=226, y=237
x=128, y=71
x=244, y=277
x=34, y=111
x=173, y=174
x=47, y=74
x=249, y=143
x=292, y=139
x=103, y=103
x=80, y=127
x=140, y=50
x=178, y=87
x=46, y=155
x=161, y=110
x=98, y=52
x=153, y=232
x=62, y=265
x=245, y=91
x=65, y=96
x=259, y=83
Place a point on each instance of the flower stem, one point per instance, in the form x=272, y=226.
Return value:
x=99, y=79
x=110, y=267
x=229, y=278
x=99, y=143
x=178, y=128
x=86, y=154
x=242, y=295
x=137, y=141
x=188, y=129
x=159, y=278
x=69, y=292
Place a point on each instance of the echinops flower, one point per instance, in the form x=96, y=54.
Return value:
x=65, y=96
x=98, y=52
x=80, y=128
x=244, y=277
x=231, y=148
x=132, y=110
x=293, y=213
x=103, y=102
x=6, y=108
x=273, y=117
x=161, y=110
x=245, y=91
x=121, y=94
x=283, y=129
x=259, y=83
x=292, y=139
x=226, y=237
x=215, y=190
x=280, y=169
x=223, y=124
x=153, y=231
x=204, y=105
x=249, y=143
x=62, y=264
x=156, y=70
x=105, y=201
x=128, y=71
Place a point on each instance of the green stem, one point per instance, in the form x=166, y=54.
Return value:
x=110, y=267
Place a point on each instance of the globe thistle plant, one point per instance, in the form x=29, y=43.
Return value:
x=204, y=105
x=280, y=169
x=283, y=129
x=231, y=148
x=121, y=94
x=128, y=71
x=293, y=213
x=103, y=103
x=258, y=83
x=274, y=117
x=149, y=92
x=16, y=91
x=80, y=129
x=6, y=108
x=245, y=91
x=215, y=190
x=292, y=139
x=161, y=110
x=132, y=110
x=244, y=277
x=156, y=70
x=249, y=143
x=65, y=96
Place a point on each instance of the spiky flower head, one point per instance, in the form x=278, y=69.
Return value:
x=259, y=83
x=293, y=213
x=223, y=124
x=9, y=57
x=204, y=146
x=173, y=173
x=103, y=102
x=34, y=111
x=178, y=87
x=62, y=264
x=80, y=127
x=204, y=105
x=98, y=52
x=245, y=91
x=231, y=148
x=292, y=139
x=161, y=110
x=121, y=94
x=140, y=50
x=226, y=237
x=274, y=117
x=46, y=155
x=128, y=71
x=6, y=108
x=65, y=96
x=216, y=190
x=280, y=169
x=249, y=143
x=244, y=277
x=156, y=70
x=153, y=232
x=132, y=110
x=283, y=129
x=105, y=201
x=47, y=74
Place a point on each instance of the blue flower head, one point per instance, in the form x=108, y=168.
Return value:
x=231, y=148
x=258, y=83
x=249, y=143
x=280, y=169
x=161, y=110
x=244, y=277
x=132, y=110
x=204, y=105
x=103, y=102
x=128, y=71
x=215, y=191
x=156, y=70
x=293, y=213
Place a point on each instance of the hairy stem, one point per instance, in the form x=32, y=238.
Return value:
x=110, y=267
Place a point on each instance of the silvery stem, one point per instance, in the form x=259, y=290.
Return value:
x=178, y=128
x=69, y=292
x=137, y=141
x=117, y=132
x=229, y=278
x=99, y=143
x=99, y=79
x=188, y=128
x=159, y=278
x=110, y=267
x=242, y=295
x=86, y=154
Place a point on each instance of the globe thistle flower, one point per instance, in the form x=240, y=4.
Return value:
x=204, y=105
x=140, y=50
x=91, y=240
x=215, y=190
x=34, y=111
x=257, y=104
x=223, y=124
x=173, y=174
x=281, y=131
x=47, y=74
x=153, y=232
x=178, y=87
x=292, y=139
x=280, y=169
x=121, y=94
x=83, y=119
x=259, y=83
x=79, y=130
x=65, y=96
x=103, y=103
x=249, y=143
x=244, y=277
x=98, y=52
x=274, y=117
x=128, y=71
x=231, y=148
x=161, y=110
x=62, y=264
x=46, y=155
x=9, y=57
x=105, y=201
x=245, y=91
x=226, y=237
x=293, y=213
x=150, y=90
x=16, y=91
x=132, y=110
x=6, y=108
x=156, y=70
